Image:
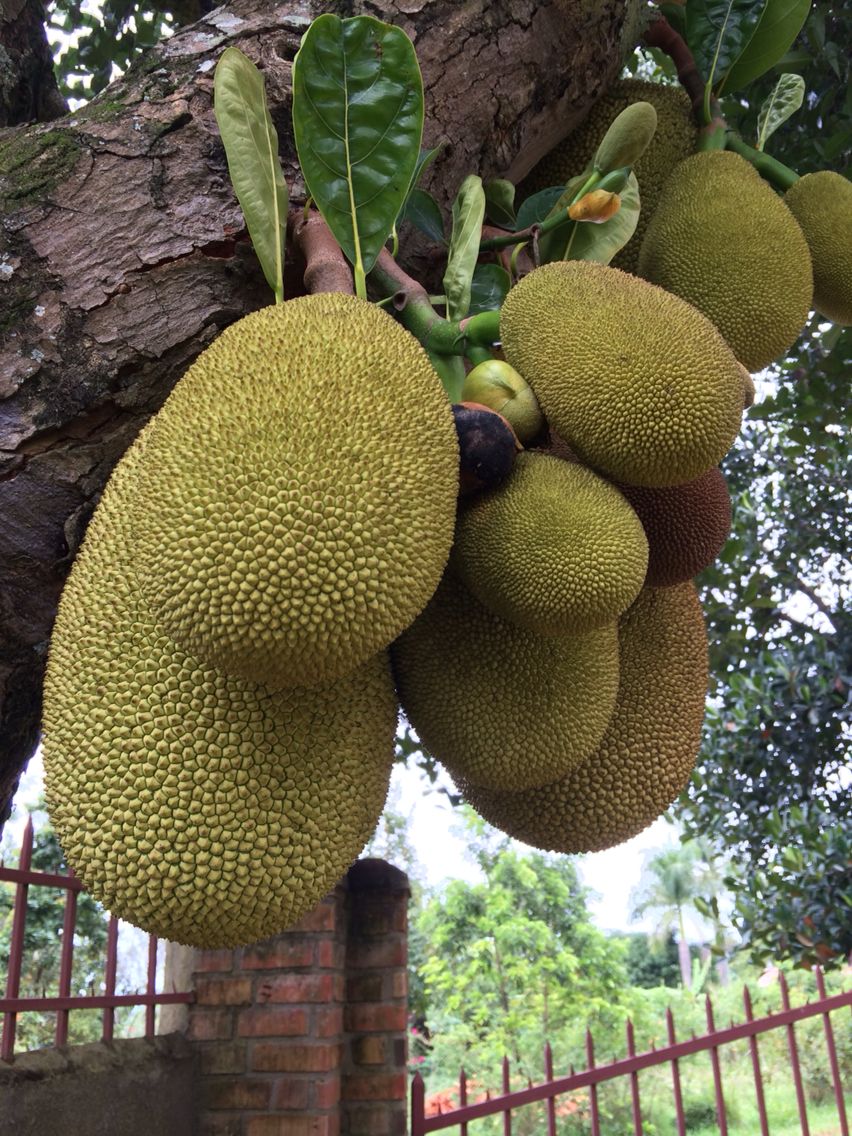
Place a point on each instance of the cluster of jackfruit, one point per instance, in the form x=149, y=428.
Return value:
x=219, y=710
x=559, y=671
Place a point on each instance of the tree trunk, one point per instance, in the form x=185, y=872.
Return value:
x=123, y=252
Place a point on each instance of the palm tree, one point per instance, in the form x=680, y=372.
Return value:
x=671, y=881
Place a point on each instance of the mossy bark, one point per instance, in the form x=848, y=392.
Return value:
x=123, y=252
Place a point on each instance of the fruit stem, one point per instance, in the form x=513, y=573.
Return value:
x=662, y=35
x=773, y=171
x=326, y=268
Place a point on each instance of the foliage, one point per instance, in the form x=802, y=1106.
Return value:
x=650, y=961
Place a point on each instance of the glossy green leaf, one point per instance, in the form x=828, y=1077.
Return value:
x=251, y=147
x=786, y=98
x=601, y=242
x=718, y=31
x=424, y=159
x=500, y=203
x=488, y=288
x=776, y=30
x=468, y=215
x=552, y=244
x=424, y=212
x=535, y=208
x=357, y=122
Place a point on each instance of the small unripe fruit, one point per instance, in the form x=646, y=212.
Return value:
x=487, y=447
x=628, y=137
x=497, y=385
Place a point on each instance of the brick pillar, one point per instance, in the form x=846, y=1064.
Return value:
x=375, y=1081
x=305, y=1034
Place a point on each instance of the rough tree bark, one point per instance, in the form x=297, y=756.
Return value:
x=123, y=252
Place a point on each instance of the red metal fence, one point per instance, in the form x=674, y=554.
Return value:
x=11, y=1005
x=630, y=1066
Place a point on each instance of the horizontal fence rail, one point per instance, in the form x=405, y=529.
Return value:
x=630, y=1066
x=11, y=1004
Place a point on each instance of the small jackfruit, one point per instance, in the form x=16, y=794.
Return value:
x=628, y=137
x=640, y=385
x=673, y=140
x=822, y=205
x=499, y=705
x=686, y=525
x=649, y=748
x=297, y=499
x=722, y=240
x=201, y=807
x=555, y=549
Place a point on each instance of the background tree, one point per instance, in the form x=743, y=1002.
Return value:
x=667, y=890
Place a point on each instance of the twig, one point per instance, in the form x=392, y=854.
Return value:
x=326, y=268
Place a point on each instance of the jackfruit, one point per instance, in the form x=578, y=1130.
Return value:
x=497, y=704
x=686, y=525
x=498, y=386
x=639, y=384
x=822, y=205
x=649, y=748
x=201, y=807
x=723, y=240
x=555, y=549
x=673, y=140
x=297, y=499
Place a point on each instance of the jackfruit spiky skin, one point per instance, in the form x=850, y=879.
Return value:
x=649, y=748
x=640, y=385
x=199, y=806
x=686, y=525
x=499, y=705
x=297, y=500
x=822, y=205
x=674, y=140
x=723, y=240
x=556, y=549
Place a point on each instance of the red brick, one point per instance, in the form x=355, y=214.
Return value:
x=399, y=984
x=322, y=918
x=209, y=1025
x=364, y=1016
x=328, y=1021
x=291, y=1093
x=227, y=1057
x=329, y=954
x=223, y=991
x=272, y=1021
x=298, y=988
x=327, y=1093
x=236, y=1092
x=281, y=953
x=365, y=988
x=369, y=1050
x=292, y=1126
x=220, y=1124
x=382, y=953
x=270, y=1057
x=375, y=1086
x=222, y=961
x=369, y=1122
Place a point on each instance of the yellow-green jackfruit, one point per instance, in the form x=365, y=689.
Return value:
x=498, y=705
x=822, y=205
x=199, y=806
x=555, y=549
x=724, y=241
x=297, y=499
x=640, y=385
x=649, y=748
x=673, y=140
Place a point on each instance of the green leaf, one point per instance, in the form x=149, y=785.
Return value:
x=357, y=122
x=424, y=212
x=600, y=242
x=552, y=244
x=425, y=158
x=786, y=98
x=776, y=30
x=535, y=208
x=468, y=214
x=488, y=288
x=251, y=147
x=500, y=202
x=717, y=32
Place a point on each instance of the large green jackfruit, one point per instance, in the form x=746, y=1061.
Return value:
x=723, y=240
x=822, y=205
x=199, y=806
x=297, y=500
x=649, y=748
x=499, y=705
x=555, y=549
x=674, y=140
x=640, y=385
